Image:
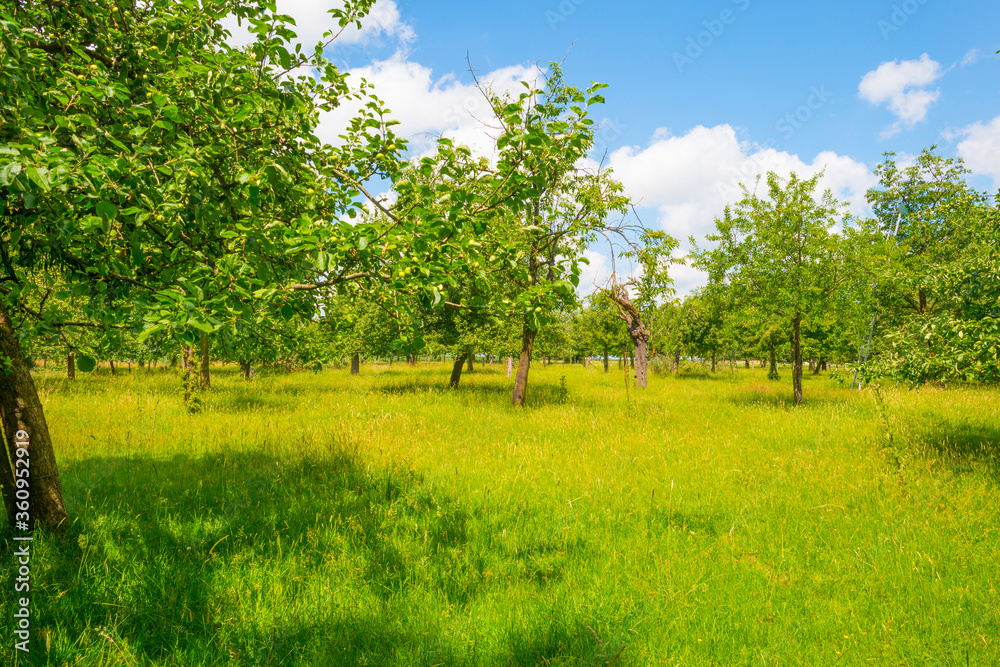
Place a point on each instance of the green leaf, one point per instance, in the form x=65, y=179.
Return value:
x=202, y=326
x=85, y=363
x=39, y=177
x=107, y=210
x=287, y=312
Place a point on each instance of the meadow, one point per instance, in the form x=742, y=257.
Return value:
x=325, y=519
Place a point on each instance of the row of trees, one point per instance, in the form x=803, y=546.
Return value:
x=159, y=183
x=163, y=190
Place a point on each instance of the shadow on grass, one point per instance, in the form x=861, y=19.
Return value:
x=162, y=552
x=966, y=446
x=247, y=558
x=775, y=396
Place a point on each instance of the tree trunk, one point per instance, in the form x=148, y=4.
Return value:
x=746, y=364
x=206, y=377
x=817, y=366
x=713, y=362
x=797, y=358
x=606, y=359
x=641, y=362
x=523, y=366
x=677, y=360
x=812, y=362
x=245, y=367
x=71, y=365
x=187, y=367
x=355, y=364
x=112, y=362
x=23, y=421
x=470, y=357
x=456, y=371
x=510, y=365
x=637, y=332
x=772, y=374
x=411, y=359
x=822, y=364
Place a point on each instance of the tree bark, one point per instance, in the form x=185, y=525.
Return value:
x=637, y=331
x=746, y=364
x=510, y=365
x=245, y=367
x=71, y=365
x=677, y=360
x=206, y=378
x=797, y=357
x=187, y=367
x=817, y=366
x=24, y=421
x=523, y=366
x=606, y=370
x=456, y=371
x=470, y=357
x=713, y=362
x=772, y=373
x=355, y=364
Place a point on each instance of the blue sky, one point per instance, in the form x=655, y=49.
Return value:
x=703, y=95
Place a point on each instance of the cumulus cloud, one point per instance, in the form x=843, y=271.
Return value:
x=901, y=85
x=312, y=21
x=427, y=106
x=685, y=181
x=689, y=179
x=980, y=148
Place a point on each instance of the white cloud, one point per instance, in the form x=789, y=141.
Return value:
x=689, y=179
x=312, y=20
x=971, y=57
x=981, y=147
x=427, y=106
x=901, y=86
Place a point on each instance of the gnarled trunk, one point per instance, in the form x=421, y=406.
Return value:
x=24, y=427
x=523, y=366
x=456, y=371
x=637, y=332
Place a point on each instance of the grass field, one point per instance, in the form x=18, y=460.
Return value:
x=320, y=519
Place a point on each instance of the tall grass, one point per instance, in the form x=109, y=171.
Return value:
x=324, y=519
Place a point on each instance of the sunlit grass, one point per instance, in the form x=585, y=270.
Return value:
x=324, y=519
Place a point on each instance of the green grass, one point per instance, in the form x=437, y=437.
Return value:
x=384, y=520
